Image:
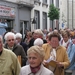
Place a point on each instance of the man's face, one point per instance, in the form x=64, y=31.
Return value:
x=18, y=40
x=10, y=41
x=54, y=42
x=1, y=45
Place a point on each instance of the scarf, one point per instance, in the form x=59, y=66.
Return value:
x=65, y=44
x=52, y=57
x=35, y=69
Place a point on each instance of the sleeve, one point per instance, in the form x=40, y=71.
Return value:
x=66, y=61
x=51, y=73
x=71, y=53
x=23, y=56
x=20, y=72
x=15, y=65
x=18, y=68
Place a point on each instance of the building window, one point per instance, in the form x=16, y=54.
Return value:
x=45, y=1
x=37, y=18
x=51, y=1
x=44, y=20
x=57, y=3
x=37, y=1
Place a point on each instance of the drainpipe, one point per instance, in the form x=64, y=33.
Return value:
x=68, y=13
x=72, y=14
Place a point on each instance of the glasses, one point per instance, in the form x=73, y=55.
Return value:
x=54, y=41
x=11, y=40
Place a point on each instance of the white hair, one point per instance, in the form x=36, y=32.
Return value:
x=9, y=34
x=38, y=42
x=18, y=35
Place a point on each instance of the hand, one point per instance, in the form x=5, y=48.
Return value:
x=45, y=62
x=59, y=64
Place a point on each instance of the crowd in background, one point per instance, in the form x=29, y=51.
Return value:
x=57, y=45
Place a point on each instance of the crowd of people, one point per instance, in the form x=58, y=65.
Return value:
x=41, y=52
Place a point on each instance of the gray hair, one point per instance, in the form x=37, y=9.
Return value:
x=38, y=50
x=38, y=42
x=18, y=35
x=9, y=34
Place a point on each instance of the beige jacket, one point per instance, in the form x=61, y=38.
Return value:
x=9, y=64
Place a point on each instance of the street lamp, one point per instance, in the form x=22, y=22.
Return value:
x=34, y=21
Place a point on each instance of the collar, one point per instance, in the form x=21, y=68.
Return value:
x=11, y=48
x=56, y=48
x=35, y=69
x=38, y=73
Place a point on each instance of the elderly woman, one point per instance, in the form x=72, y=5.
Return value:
x=35, y=67
x=56, y=53
x=20, y=42
x=37, y=34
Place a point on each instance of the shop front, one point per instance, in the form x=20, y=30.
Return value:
x=7, y=16
x=16, y=15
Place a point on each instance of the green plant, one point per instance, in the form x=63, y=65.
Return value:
x=53, y=13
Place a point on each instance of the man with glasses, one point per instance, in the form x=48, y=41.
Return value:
x=10, y=43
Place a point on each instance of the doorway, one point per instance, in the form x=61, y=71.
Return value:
x=10, y=25
x=24, y=28
x=5, y=25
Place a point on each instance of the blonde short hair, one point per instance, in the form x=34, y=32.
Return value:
x=39, y=31
x=38, y=50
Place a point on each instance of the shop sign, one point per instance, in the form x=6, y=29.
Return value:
x=7, y=11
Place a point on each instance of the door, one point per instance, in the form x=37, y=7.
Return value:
x=23, y=27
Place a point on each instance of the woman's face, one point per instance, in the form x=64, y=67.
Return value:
x=54, y=42
x=65, y=38
x=34, y=59
x=36, y=35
